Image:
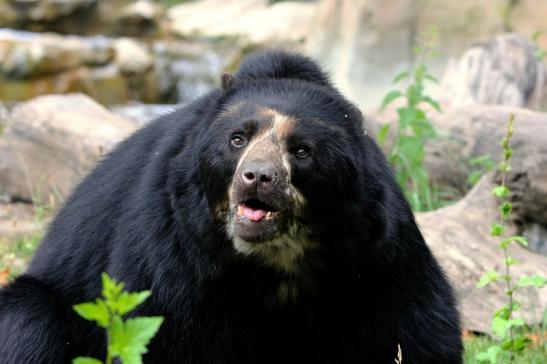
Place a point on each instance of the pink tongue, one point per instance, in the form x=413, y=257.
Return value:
x=252, y=214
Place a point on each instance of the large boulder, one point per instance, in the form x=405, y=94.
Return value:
x=25, y=54
x=111, y=71
x=51, y=142
x=186, y=70
x=132, y=57
x=254, y=20
x=48, y=10
x=477, y=130
x=378, y=37
x=504, y=70
x=140, y=18
x=459, y=236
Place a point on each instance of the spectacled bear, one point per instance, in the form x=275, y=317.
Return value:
x=266, y=223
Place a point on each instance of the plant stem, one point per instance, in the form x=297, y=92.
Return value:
x=508, y=279
x=510, y=294
x=108, y=359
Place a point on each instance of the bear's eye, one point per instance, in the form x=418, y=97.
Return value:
x=238, y=141
x=302, y=152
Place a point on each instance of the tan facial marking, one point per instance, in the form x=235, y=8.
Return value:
x=282, y=124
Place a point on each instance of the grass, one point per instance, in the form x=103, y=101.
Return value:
x=15, y=255
x=535, y=354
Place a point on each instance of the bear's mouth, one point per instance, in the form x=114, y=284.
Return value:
x=257, y=221
x=256, y=211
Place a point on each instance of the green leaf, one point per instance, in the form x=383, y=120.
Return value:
x=420, y=73
x=389, y=98
x=432, y=102
x=504, y=243
x=501, y=326
x=520, y=240
x=536, y=35
x=474, y=177
x=97, y=311
x=505, y=209
x=511, y=261
x=128, y=301
x=382, y=133
x=504, y=167
x=86, y=360
x=540, y=54
x=143, y=329
x=490, y=355
x=482, y=160
x=414, y=94
x=487, y=278
x=517, y=345
x=111, y=289
x=422, y=128
x=400, y=76
x=408, y=115
x=496, y=229
x=503, y=312
x=431, y=78
x=501, y=191
x=517, y=239
x=130, y=338
x=535, y=281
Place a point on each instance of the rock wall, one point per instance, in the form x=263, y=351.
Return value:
x=366, y=42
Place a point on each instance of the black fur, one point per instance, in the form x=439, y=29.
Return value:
x=146, y=216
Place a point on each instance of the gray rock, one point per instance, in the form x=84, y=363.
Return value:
x=537, y=237
x=48, y=10
x=8, y=15
x=365, y=43
x=132, y=57
x=51, y=142
x=140, y=18
x=25, y=54
x=188, y=70
x=253, y=20
x=476, y=130
x=459, y=236
x=143, y=113
x=502, y=71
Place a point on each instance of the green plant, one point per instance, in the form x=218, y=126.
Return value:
x=126, y=339
x=505, y=325
x=540, y=52
x=507, y=14
x=479, y=166
x=534, y=354
x=414, y=130
x=170, y=3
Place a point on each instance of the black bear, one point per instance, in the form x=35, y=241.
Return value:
x=267, y=225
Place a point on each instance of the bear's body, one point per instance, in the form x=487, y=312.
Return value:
x=337, y=272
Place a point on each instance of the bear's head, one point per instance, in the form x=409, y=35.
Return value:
x=282, y=159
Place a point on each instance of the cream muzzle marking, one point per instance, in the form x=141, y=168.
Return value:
x=284, y=250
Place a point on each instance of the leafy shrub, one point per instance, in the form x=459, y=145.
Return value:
x=126, y=339
x=414, y=130
x=509, y=329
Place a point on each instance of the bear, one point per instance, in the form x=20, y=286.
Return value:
x=265, y=221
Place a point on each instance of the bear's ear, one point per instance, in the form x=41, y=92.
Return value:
x=281, y=64
x=227, y=81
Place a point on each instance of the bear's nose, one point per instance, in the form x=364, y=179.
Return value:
x=258, y=173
